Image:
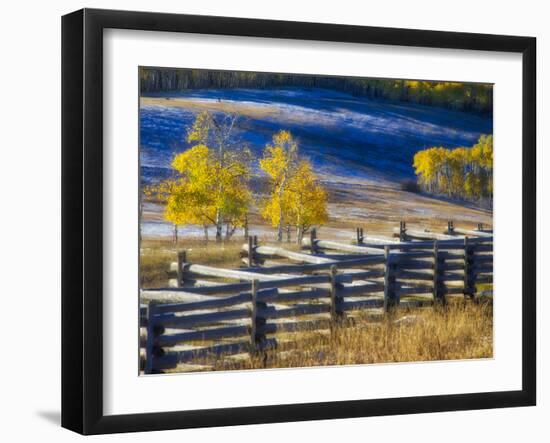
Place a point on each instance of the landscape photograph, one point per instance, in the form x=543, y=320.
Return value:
x=293, y=221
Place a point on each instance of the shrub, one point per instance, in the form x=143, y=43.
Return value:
x=410, y=186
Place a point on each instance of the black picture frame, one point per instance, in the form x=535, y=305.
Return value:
x=82, y=215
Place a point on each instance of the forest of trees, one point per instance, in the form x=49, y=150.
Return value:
x=475, y=97
x=210, y=182
x=465, y=173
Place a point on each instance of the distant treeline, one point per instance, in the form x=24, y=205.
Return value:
x=476, y=97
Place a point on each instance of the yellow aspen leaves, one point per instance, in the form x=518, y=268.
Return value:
x=460, y=172
x=211, y=183
x=296, y=197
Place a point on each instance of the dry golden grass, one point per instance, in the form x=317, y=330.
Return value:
x=461, y=330
x=157, y=254
x=155, y=258
x=154, y=267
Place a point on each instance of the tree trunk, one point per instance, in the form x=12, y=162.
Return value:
x=299, y=234
x=288, y=233
x=205, y=227
x=175, y=235
x=245, y=228
x=229, y=231
x=280, y=227
x=218, y=226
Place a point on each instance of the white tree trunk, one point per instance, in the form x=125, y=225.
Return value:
x=218, y=226
x=175, y=235
x=245, y=228
x=299, y=235
x=280, y=227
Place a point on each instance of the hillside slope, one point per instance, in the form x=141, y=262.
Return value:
x=347, y=138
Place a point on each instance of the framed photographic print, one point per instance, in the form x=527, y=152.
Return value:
x=270, y=221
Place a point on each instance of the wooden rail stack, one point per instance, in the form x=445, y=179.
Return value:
x=279, y=291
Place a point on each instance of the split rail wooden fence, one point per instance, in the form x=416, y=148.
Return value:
x=258, y=307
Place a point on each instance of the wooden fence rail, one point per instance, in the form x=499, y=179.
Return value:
x=314, y=290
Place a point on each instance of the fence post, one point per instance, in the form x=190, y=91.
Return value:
x=402, y=231
x=360, y=237
x=450, y=227
x=151, y=340
x=312, y=239
x=182, y=259
x=469, y=276
x=336, y=312
x=390, y=298
x=437, y=290
x=250, y=251
x=257, y=337
x=254, y=317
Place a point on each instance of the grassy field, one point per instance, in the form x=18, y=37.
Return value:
x=157, y=254
x=460, y=330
